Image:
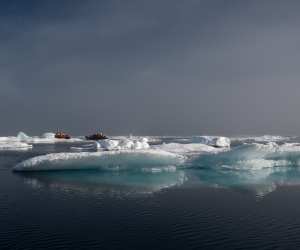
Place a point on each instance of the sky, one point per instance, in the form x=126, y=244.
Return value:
x=159, y=67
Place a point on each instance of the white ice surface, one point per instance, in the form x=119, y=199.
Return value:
x=116, y=144
x=190, y=148
x=256, y=156
x=123, y=144
x=106, y=160
x=46, y=138
x=216, y=141
x=264, y=138
x=10, y=145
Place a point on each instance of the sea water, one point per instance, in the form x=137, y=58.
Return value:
x=167, y=192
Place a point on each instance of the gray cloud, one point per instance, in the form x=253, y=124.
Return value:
x=150, y=67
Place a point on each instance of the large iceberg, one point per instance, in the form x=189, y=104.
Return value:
x=106, y=160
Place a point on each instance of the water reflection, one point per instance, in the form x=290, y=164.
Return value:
x=260, y=182
x=105, y=182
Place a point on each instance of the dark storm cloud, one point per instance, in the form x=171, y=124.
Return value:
x=150, y=67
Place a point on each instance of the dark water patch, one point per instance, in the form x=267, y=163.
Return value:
x=189, y=218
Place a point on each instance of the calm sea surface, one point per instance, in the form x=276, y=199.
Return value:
x=192, y=208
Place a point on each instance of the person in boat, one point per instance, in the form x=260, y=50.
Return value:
x=62, y=135
x=97, y=136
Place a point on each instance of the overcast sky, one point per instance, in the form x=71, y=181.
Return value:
x=150, y=67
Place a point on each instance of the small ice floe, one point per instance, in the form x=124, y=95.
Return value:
x=123, y=144
x=116, y=144
x=215, y=141
x=13, y=145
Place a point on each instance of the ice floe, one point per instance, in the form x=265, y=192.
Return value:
x=46, y=138
x=216, y=141
x=123, y=144
x=106, y=160
x=11, y=145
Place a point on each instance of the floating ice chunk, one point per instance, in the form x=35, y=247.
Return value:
x=116, y=144
x=221, y=142
x=12, y=143
x=107, y=160
x=154, y=139
x=273, y=147
x=14, y=146
x=107, y=144
x=123, y=144
x=22, y=136
x=254, y=157
x=213, y=141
